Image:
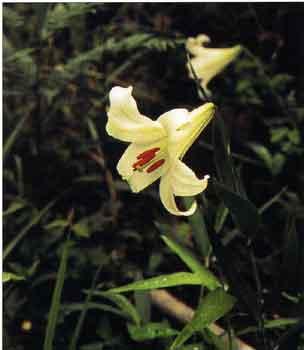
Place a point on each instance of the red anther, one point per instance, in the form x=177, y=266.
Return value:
x=155, y=165
x=149, y=153
x=141, y=162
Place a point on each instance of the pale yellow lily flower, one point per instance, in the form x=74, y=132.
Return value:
x=157, y=147
x=208, y=62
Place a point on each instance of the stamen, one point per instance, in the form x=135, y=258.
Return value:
x=145, y=158
x=140, y=163
x=148, y=153
x=155, y=165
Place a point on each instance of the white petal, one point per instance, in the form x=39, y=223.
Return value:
x=180, y=180
x=208, y=62
x=183, y=127
x=168, y=200
x=125, y=121
x=175, y=122
x=195, y=45
x=138, y=180
x=185, y=182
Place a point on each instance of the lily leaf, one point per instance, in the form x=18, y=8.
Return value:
x=215, y=305
x=14, y=206
x=222, y=154
x=200, y=233
x=220, y=217
x=162, y=281
x=151, y=331
x=8, y=276
x=242, y=210
x=207, y=278
x=123, y=303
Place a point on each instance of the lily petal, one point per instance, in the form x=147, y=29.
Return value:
x=183, y=127
x=138, y=180
x=126, y=123
x=174, y=120
x=180, y=180
x=195, y=45
x=211, y=62
x=185, y=182
x=168, y=200
x=208, y=62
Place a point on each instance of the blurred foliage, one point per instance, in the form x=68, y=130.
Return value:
x=72, y=228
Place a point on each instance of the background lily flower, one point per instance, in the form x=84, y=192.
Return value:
x=157, y=147
x=208, y=62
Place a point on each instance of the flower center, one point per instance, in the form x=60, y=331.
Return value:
x=149, y=160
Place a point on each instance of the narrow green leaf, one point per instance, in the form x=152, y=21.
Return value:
x=207, y=278
x=222, y=154
x=14, y=206
x=77, y=331
x=77, y=307
x=242, y=210
x=151, y=330
x=272, y=200
x=81, y=229
x=56, y=297
x=11, y=18
x=58, y=223
x=220, y=217
x=278, y=162
x=263, y=153
x=8, y=276
x=200, y=232
x=13, y=137
x=143, y=305
x=271, y=324
x=122, y=302
x=93, y=130
x=9, y=248
x=62, y=14
x=291, y=254
x=163, y=281
x=280, y=322
x=195, y=346
x=215, y=305
x=93, y=346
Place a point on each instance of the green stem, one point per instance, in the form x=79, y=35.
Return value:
x=13, y=137
x=84, y=310
x=9, y=248
x=200, y=232
x=56, y=297
x=260, y=66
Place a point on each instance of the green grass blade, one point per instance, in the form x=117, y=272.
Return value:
x=200, y=232
x=76, y=307
x=222, y=154
x=81, y=318
x=220, y=217
x=151, y=330
x=207, y=278
x=9, y=248
x=163, y=281
x=244, y=213
x=123, y=303
x=9, y=276
x=215, y=305
x=55, y=305
x=12, y=138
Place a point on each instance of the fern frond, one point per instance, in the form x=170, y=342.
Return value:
x=61, y=14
